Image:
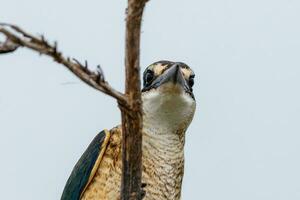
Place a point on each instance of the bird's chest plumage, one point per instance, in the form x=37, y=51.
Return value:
x=163, y=163
x=162, y=170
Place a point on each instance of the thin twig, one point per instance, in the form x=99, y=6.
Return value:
x=7, y=46
x=19, y=37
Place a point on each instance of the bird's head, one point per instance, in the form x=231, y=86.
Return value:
x=168, y=99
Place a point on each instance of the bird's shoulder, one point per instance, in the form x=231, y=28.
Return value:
x=104, y=143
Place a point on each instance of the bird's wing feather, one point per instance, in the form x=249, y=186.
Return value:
x=86, y=167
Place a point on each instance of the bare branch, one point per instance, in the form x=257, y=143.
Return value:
x=130, y=104
x=42, y=46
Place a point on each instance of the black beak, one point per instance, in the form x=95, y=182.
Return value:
x=173, y=75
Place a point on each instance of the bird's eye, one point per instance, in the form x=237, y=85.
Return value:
x=191, y=81
x=148, y=78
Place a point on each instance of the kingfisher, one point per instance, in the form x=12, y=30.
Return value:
x=168, y=109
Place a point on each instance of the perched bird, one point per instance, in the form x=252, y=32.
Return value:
x=168, y=109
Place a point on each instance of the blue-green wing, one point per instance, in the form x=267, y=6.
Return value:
x=84, y=168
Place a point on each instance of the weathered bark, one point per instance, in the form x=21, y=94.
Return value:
x=132, y=123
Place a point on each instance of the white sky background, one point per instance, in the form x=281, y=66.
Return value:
x=244, y=141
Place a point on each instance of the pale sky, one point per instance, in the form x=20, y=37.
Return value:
x=244, y=141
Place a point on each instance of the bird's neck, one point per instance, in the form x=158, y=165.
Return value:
x=164, y=135
x=163, y=163
x=165, y=120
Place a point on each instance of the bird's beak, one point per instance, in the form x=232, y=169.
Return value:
x=174, y=75
x=171, y=75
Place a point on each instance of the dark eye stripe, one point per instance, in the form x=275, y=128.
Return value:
x=148, y=77
x=191, y=81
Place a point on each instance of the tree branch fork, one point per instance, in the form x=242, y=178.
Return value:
x=129, y=103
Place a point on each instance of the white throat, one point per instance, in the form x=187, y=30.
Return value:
x=167, y=112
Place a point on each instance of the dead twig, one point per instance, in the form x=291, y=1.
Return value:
x=19, y=38
x=7, y=46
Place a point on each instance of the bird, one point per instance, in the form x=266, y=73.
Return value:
x=168, y=109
